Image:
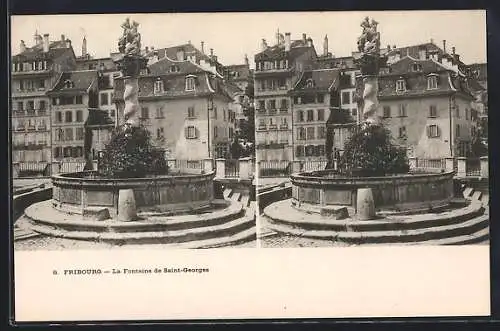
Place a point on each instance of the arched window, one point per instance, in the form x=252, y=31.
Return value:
x=190, y=83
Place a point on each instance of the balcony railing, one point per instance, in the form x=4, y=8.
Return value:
x=31, y=128
x=262, y=127
x=284, y=127
x=20, y=128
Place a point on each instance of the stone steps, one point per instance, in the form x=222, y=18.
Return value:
x=42, y=213
x=477, y=195
x=23, y=233
x=423, y=236
x=283, y=213
x=153, y=237
x=233, y=225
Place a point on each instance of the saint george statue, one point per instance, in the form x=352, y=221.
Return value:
x=130, y=41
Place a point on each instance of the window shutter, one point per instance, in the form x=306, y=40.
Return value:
x=186, y=132
x=196, y=133
x=428, y=131
x=438, y=131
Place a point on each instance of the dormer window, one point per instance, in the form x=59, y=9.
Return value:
x=68, y=84
x=400, y=85
x=190, y=83
x=432, y=82
x=158, y=88
x=310, y=83
x=416, y=67
x=174, y=68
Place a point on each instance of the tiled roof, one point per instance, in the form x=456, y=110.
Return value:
x=416, y=82
x=165, y=65
x=171, y=52
x=323, y=80
x=335, y=62
x=297, y=48
x=231, y=88
x=83, y=64
x=414, y=50
x=81, y=80
x=56, y=49
x=243, y=72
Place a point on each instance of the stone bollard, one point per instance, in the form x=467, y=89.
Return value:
x=245, y=170
x=220, y=168
x=412, y=162
x=365, y=206
x=127, y=210
x=296, y=166
x=461, y=167
x=484, y=167
x=449, y=164
x=208, y=165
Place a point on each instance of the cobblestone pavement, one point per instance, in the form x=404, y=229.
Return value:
x=53, y=243
x=286, y=241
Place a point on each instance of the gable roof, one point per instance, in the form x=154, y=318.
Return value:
x=171, y=52
x=297, y=48
x=82, y=80
x=324, y=80
x=56, y=49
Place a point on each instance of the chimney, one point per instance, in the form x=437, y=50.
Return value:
x=444, y=46
x=453, y=50
x=246, y=60
x=203, y=47
x=46, y=42
x=211, y=52
x=38, y=39
x=304, y=37
x=180, y=54
x=84, y=46
x=432, y=41
x=288, y=42
x=388, y=47
x=393, y=46
x=152, y=48
x=309, y=42
x=68, y=43
x=325, y=46
x=263, y=44
x=63, y=38
x=147, y=49
x=22, y=47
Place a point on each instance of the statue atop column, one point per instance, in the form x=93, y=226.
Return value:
x=130, y=63
x=369, y=60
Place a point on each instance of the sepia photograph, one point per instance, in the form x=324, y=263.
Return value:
x=384, y=144
x=146, y=144
x=354, y=142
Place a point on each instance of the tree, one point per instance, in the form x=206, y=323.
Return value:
x=130, y=153
x=370, y=152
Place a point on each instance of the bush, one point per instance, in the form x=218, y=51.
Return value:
x=131, y=154
x=370, y=152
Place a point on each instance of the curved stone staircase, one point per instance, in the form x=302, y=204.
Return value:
x=463, y=225
x=233, y=223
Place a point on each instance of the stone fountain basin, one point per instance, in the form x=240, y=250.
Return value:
x=404, y=193
x=177, y=193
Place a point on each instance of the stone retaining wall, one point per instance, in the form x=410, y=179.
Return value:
x=22, y=201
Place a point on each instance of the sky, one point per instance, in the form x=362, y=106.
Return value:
x=232, y=35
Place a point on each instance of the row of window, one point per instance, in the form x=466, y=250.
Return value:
x=29, y=66
x=272, y=65
x=311, y=133
x=271, y=104
x=432, y=111
x=72, y=100
x=273, y=123
x=191, y=113
x=308, y=99
x=190, y=84
x=29, y=156
x=432, y=83
x=310, y=150
x=272, y=84
x=402, y=110
x=30, y=139
x=31, y=85
x=68, y=151
x=30, y=105
x=68, y=116
x=30, y=124
x=320, y=115
x=66, y=134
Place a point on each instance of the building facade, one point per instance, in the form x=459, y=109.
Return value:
x=185, y=107
x=427, y=105
x=314, y=97
x=34, y=71
x=72, y=96
x=276, y=70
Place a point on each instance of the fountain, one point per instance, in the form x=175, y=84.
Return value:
x=373, y=196
x=133, y=197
